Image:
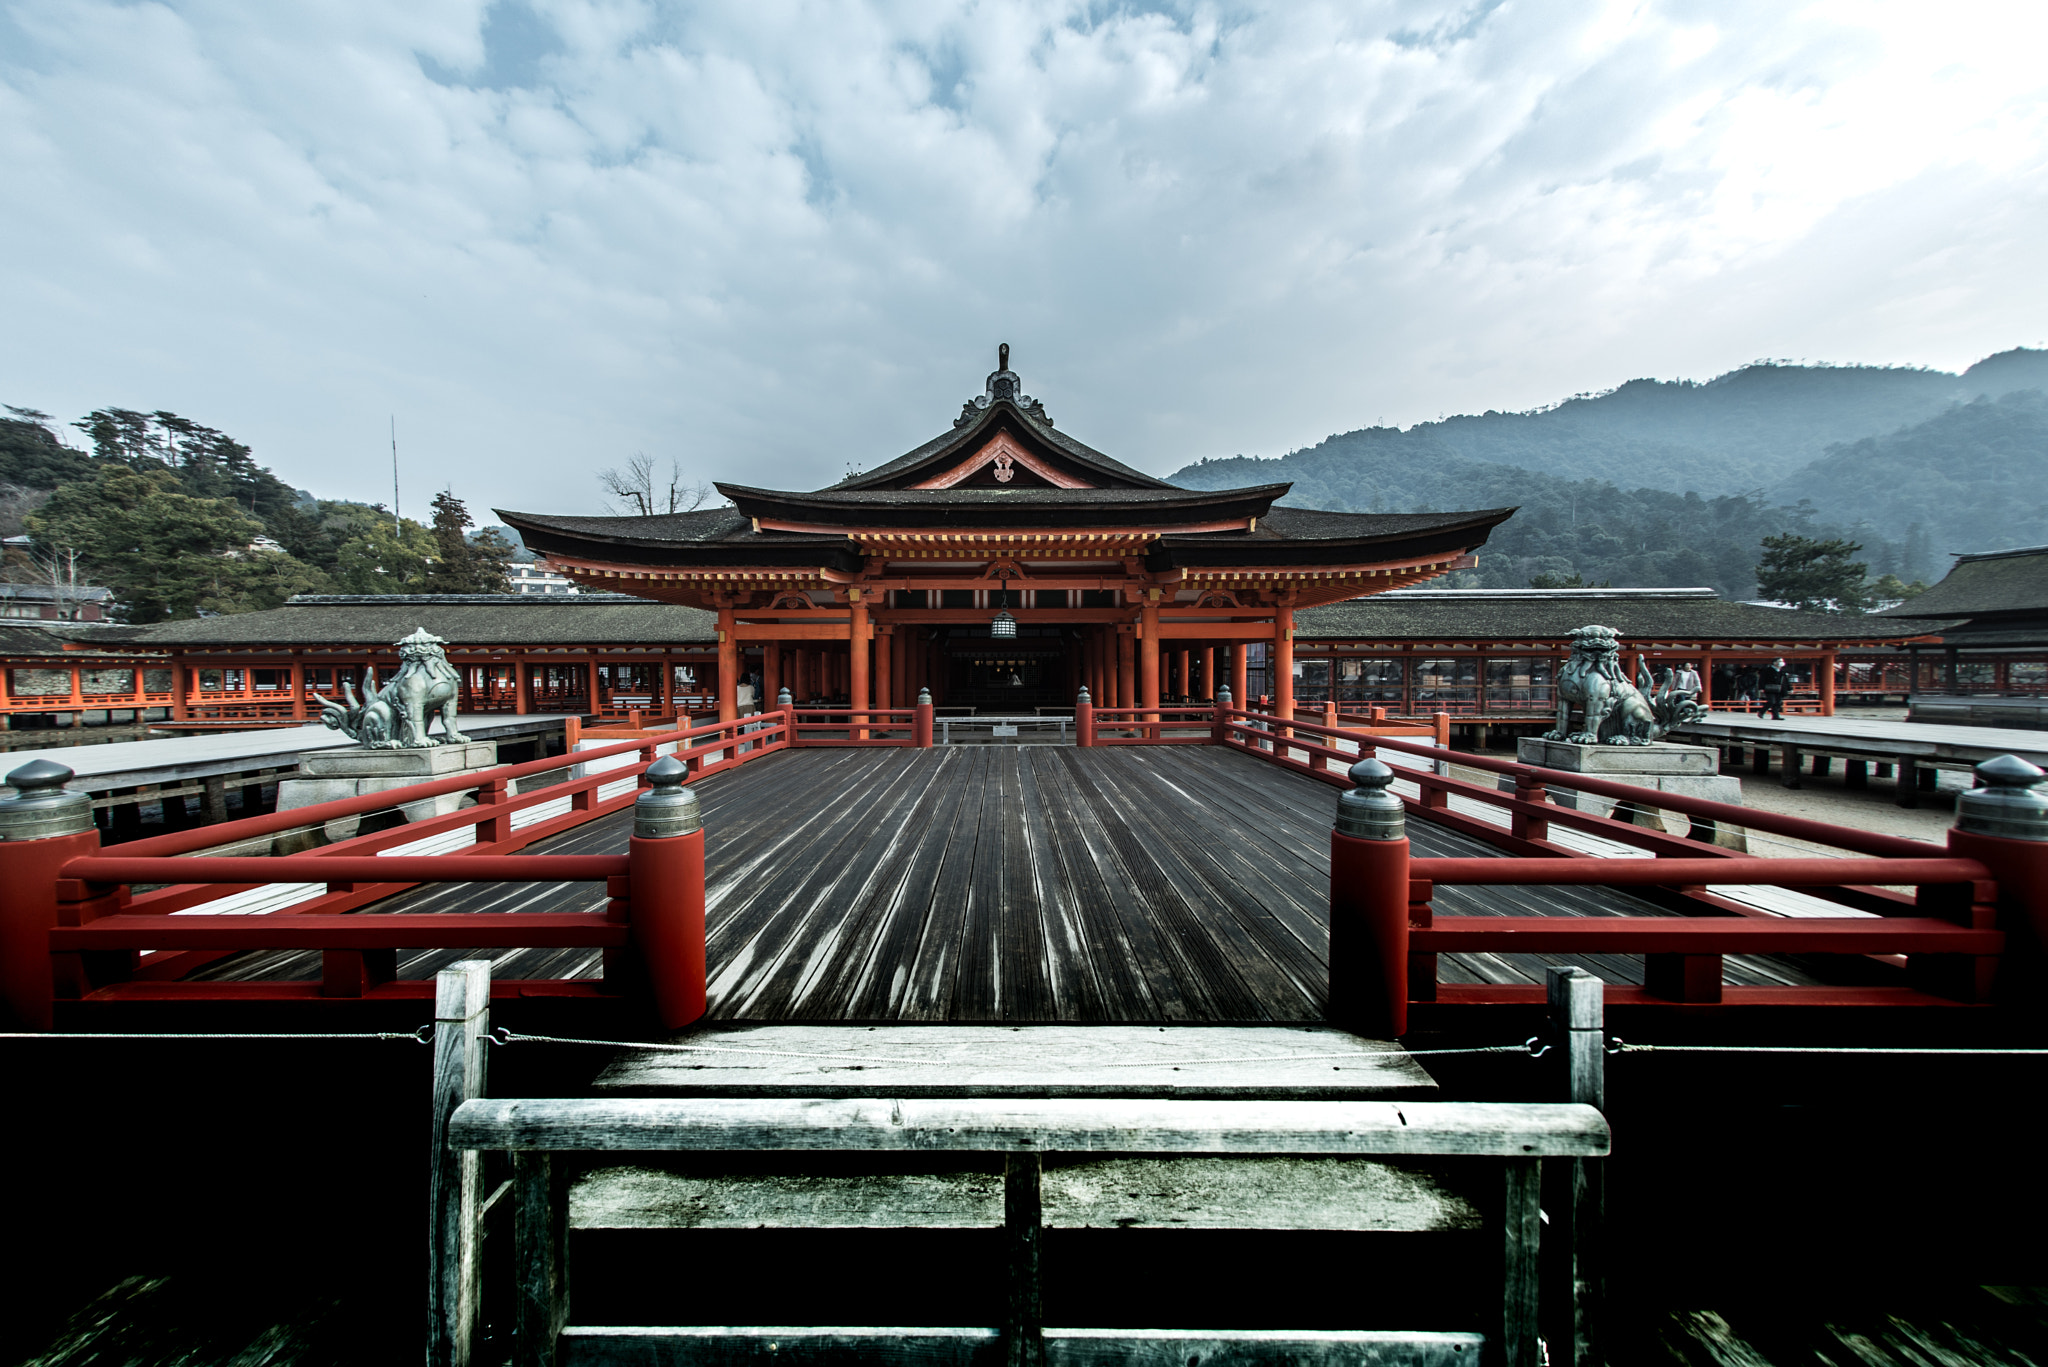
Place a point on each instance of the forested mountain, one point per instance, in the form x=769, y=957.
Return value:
x=1676, y=483
x=1974, y=478
x=179, y=519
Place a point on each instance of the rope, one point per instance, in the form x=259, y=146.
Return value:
x=503, y=1036
x=423, y=1035
x=1621, y=1046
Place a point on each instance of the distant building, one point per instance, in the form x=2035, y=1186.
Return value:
x=1991, y=666
x=537, y=578
x=46, y=602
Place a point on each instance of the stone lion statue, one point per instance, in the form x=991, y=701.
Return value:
x=397, y=716
x=1615, y=711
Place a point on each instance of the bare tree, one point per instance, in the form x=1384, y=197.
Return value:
x=16, y=503
x=642, y=492
x=53, y=567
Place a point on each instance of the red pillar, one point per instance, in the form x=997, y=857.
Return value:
x=885, y=674
x=857, y=663
x=728, y=666
x=1282, y=668
x=298, y=687
x=1148, y=621
x=1126, y=668
x=1209, y=672
x=1240, y=676
x=1184, y=686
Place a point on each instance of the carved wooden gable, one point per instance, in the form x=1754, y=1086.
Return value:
x=1005, y=464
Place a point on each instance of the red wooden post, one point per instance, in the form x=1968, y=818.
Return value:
x=1369, y=905
x=498, y=827
x=1084, y=719
x=1529, y=788
x=2004, y=826
x=921, y=725
x=1219, y=726
x=42, y=828
x=665, y=872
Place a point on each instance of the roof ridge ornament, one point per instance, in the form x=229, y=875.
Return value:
x=1005, y=384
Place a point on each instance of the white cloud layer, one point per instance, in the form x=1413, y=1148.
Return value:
x=772, y=240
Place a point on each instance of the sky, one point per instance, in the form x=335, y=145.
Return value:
x=773, y=242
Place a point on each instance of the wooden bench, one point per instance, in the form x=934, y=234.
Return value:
x=1204, y=1151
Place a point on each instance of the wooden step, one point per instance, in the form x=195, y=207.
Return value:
x=811, y=1346
x=1223, y=1062
x=1109, y=1193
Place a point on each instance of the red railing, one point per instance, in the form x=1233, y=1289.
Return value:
x=98, y=928
x=822, y=727
x=1147, y=726
x=1943, y=934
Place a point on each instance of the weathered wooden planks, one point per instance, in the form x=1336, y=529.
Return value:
x=607, y=1346
x=1229, y=1062
x=1106, y=1193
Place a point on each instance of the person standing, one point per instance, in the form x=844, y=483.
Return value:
x=1774, y=679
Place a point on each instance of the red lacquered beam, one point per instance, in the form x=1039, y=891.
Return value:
x=1700, y=935
x=1782, y=873
x=400, y=868
x=477, y=930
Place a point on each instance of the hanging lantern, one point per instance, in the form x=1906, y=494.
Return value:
x=1004, y=626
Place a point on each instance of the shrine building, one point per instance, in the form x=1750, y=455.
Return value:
x=1004, y=562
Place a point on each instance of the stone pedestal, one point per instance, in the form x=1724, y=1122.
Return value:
x=330, y=775
x=1686, y=770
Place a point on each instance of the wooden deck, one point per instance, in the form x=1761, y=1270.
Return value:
x=1181, y=884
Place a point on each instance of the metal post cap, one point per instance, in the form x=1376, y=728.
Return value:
x=783, y=698
x=1084, y=700
x=667, y=808
x=2011, y=803
x=41, y=808
x=1223, y=695
x=924, y=697
x=1369, y=811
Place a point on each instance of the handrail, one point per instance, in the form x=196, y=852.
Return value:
x=304, y=868
x=207, y=837
x=1784, y=873
x=1726, y=813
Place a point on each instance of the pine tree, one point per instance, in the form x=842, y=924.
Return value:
x=461, y=565
x=1813, y=574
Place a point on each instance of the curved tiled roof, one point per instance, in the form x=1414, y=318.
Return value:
x=1552, y=615
x=2013, y=581
x=463, y=619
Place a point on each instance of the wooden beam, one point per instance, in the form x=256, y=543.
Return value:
x=1447, y=1128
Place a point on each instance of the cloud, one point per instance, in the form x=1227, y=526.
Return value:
x=776, y=240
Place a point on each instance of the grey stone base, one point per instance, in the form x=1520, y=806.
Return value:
x=1686, y=770
x=329, y=776
x=1621, y=762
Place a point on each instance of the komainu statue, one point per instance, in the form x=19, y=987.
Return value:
x=1616, y=712
x=397, y=716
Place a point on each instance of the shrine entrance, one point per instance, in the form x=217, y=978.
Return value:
x=1019, y=675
